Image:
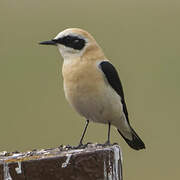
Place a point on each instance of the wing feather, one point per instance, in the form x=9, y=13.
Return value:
x=114, y=81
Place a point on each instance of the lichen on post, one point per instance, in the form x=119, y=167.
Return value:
x=89, y=163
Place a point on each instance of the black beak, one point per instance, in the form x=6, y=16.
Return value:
x=51, y=42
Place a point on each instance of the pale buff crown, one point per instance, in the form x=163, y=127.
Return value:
x=91, y=51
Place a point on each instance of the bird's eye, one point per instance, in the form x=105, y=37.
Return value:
x=76, y=41
x=72, y=42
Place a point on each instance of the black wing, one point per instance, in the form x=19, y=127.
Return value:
x=113, y=79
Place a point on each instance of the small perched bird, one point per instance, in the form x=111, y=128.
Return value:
x=92, y=85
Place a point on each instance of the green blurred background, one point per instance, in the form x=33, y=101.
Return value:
x=142, y=38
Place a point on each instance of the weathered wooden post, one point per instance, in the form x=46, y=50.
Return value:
x=94, y=162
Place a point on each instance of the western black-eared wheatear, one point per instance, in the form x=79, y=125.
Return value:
x=92, y=85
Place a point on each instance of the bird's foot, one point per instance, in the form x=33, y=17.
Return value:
x=80, y=146
x=107, y=143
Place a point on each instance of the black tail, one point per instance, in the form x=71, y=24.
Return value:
x=136, y=143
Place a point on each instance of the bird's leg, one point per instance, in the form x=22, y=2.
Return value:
x=109, y=130
x=80, y=142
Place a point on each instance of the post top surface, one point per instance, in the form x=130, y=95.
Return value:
x=62, y=150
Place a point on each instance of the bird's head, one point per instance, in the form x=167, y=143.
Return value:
x=75, y=42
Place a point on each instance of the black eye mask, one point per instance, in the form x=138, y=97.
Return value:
x=71, y=41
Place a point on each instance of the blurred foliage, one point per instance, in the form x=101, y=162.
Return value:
x=142, y=40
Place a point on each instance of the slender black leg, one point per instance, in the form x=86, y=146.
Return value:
x=109, y=130
x=80, y=142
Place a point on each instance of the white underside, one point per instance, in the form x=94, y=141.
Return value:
x=102, y=106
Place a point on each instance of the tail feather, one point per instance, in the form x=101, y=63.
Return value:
x=136, y=143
